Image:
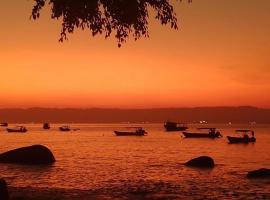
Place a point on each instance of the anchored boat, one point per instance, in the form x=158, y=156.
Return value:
x=17, y=129
x=139, y=131
x=174, y=126
x=244, y=139
x=212, y=133
x=64, y=128
x=46, y=126
x=4, y=124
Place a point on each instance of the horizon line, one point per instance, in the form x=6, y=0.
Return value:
x=130, y=108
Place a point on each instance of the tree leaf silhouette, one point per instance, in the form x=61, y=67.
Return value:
x=123, y=18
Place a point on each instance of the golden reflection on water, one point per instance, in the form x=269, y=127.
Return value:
x=95, y=159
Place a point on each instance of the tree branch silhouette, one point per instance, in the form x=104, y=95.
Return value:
x=121, y=17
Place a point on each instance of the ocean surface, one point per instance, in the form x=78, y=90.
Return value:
x=93, y=163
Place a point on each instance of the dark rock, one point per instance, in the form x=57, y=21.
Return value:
x=202, y=162
x=260, y=173
x=31, y=155
x=3, y=190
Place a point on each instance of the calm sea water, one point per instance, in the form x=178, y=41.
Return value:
x=94, y=161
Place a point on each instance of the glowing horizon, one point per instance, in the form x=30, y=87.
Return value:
x=219, y=57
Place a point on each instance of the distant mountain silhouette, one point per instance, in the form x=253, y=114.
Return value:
x=242, y=114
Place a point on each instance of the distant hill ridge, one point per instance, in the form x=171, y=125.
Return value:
x=241, y=114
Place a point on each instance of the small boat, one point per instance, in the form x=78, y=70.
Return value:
x=17, y=129
x=244, y=139
x=212, y=133
x=174, y=126
x=46, y=126
x=138, y=132
x=5, y=124
x=64, y=128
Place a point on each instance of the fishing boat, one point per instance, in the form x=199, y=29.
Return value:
x=64, y=128
x=17, y=129
x=5, y=124
x=212, y=133
x=138, y=132
x=174, y=126
x=244, y=139
x=46, y=126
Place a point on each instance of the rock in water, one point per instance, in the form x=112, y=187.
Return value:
x=260, y=173
x=31, y=155
x=202, y=162
x=3, y=190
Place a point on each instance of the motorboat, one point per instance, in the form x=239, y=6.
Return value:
x=137, y=132
x=46, y=126
x=212, y=133
x=246, y=138
x=17, y=129
x=64, y=128
x=5, y=124
x=174, y=126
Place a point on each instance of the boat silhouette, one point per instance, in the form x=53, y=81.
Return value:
x=174, y=126
x=46, y=126
x=244, y=139
x=212, y=133
x=4, y=124
x=139, y=131
x=17, y=129
x=64, y=128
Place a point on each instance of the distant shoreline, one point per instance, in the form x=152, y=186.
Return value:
x=243, y=114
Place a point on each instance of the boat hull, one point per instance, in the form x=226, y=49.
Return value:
x=64, y=129
x=171, y=129
x=4, y=124
x=241, y=139
x=16, y=131
x=123, y=133
x=199, y=135
x=46, y=126
x=174, y=126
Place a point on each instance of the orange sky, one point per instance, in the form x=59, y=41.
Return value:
x=220, y=56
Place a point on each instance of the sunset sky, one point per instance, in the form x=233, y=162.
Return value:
x=220, y=56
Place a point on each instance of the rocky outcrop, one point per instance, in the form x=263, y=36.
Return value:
x=260, y=173
x=31, y=155
x=201, y=162
x=3, y=190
